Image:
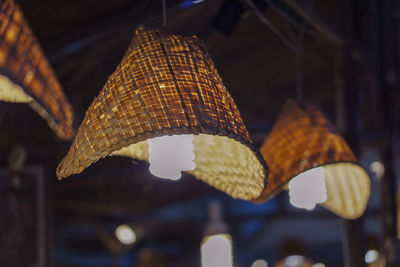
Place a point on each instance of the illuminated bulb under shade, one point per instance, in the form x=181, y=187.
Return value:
x=216, y=251
x=170, y=155
x=319, y=264
x=371, y=256
x=308, y=189
x=260, y=263
x=378, y=168
x=294, y=261
x=125, y=234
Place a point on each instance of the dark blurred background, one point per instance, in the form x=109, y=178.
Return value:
x=349, y=67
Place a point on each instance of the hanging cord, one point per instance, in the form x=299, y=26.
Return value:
x=295, y=48
x=164, y=7
x=396, y=129
x=299, y=82
x=272, y=27
x=290, y=20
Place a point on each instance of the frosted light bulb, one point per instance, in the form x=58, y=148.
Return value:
x=169, y=155
x=371, y=256
x=216, y=251
x=260, y=263
x=125, y=234
x=294, y=261
x=308, y=189
x=378, y=168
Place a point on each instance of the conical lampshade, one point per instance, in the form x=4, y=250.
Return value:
x=25, y=74
x=303, y=139
x=168, y=85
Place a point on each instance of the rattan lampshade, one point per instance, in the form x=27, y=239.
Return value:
x=303, y=139
x=168, y=85
x=25, y=74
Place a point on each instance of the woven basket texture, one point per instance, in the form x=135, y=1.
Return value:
x=302, y=139
x=25, y=74
x=168, y=85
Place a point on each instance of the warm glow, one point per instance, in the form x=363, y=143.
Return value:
x=371, y=256
x=319, y=264
x=308, y=189
x=125, y=234
x=294, y=261
x=216, y=251
x=378, y=168
x=169, y=155
x=260, y=263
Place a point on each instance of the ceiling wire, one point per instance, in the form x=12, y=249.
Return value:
x=272, y=27
x=286, y=16
x=396, y=127
x=299, y=83
x=164, y=7
x=295, y=48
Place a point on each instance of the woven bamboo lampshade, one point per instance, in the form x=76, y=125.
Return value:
x=302, y=140
x=168, y=85
x=25, y=74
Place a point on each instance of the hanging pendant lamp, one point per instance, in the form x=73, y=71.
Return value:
x=216, y=246
x=305, y=153
x=167, y=86
x=25, y=74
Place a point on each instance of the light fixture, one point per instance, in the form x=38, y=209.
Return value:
x=260, y=263
x=125, y=234
x=294, y=260
x=318, y=264
x=167, y=86
x=170, y=155
x=304, y=147
x=308, y=189
x=216, y=247
x=293, y=254
x=25, y=74
x=371, y=256
x=378, y=168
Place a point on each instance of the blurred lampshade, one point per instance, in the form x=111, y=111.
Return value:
x=216, y=247
x=294, y=261
x=151, y=257
x=25, y=74
x=293, y=254
x=373, y=257
x=260, y=263
x=166, y=86
x=307, y=156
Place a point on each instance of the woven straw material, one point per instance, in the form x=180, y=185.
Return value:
x=302, y=139
x=168, y=85
x=25, y=74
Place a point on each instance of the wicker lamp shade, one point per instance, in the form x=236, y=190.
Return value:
x=168, y=85
x=303, y=139
x=25, y=74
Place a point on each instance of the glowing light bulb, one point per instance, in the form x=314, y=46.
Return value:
x=125, y=234
x=216, y=251
x=378, y=168
x=294, y=261
x=319, y=264
x=260, y=263
x=371, y=256
x=169, y=155
x=308, y=189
